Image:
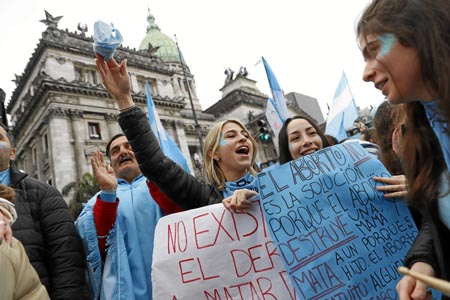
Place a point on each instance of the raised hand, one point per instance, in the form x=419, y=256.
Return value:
x=105, y=177
x=116, y=80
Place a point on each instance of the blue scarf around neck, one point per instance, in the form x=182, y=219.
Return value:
x=440, y=127
x=248, y=181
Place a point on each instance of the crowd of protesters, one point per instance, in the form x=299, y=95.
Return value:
x=406, y=48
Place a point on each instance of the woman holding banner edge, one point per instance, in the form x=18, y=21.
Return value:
x=406, y=47
x=300, y=136
x=229, y=160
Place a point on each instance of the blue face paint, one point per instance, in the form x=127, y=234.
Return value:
x=222, y=142
x=387, y=42
x=4, y=145
x=290, y=145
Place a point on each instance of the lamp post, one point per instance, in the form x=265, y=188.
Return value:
x=197, y=125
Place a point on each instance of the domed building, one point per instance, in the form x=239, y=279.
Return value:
x=164, y=47
x=60, y=111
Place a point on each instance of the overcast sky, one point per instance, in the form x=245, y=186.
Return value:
x=308, y=43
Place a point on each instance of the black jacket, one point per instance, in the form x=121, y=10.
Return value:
x=432, y=244
x=180, y=186
x=46, y=229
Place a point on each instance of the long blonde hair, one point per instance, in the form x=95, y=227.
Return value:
x=211, y=171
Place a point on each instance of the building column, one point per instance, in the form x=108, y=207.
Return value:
x=113, y=126
x=76, y=126
x=134, y=83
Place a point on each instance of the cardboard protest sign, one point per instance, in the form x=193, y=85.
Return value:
x=338, y=236
x=213, y=254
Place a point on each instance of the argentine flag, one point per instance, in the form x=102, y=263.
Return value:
x=277, y=93
x=166, y=143
x=343, y=111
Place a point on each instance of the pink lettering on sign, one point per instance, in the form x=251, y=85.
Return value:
x=210, y=228
x=192, y=270
x=174, y=242
x=255, y=259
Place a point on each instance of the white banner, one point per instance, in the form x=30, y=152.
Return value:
x=213, y=254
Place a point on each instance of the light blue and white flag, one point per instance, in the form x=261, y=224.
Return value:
x=343, y=111
x=168, y=146
x=277, y=93
x=274, y=119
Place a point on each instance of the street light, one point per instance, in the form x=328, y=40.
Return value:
x=264, y=131
x=197, y=125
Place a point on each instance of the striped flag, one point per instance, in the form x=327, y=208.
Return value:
x=343, y=111
x=277, y=93
x=274, y=119
x=168, y=146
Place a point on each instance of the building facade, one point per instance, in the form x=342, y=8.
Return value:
x=241, y=99
x=60, y=112
x=308, y=104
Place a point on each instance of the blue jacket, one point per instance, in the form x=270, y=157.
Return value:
x=126, y=272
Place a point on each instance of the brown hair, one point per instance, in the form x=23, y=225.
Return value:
x=7, y=193
x=283, y=139
x=421, y=155
x=386, y=119
x=423, y=25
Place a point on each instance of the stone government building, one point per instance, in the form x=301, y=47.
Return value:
x=60, y=112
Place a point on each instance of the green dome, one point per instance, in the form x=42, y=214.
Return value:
x=168, y=50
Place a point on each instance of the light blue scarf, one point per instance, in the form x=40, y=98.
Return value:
x=440, y=127
x=248, y=182
x=4, y=177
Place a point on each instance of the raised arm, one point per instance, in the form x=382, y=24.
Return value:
x=180, y=186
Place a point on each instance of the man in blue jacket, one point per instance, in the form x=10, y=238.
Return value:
x=127, y=226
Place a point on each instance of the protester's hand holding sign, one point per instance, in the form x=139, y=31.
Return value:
x=211, y=253
x=239, y=200
x=338, y=234
x=396, y=186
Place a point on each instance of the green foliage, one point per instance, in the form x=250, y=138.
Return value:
x=83, y=190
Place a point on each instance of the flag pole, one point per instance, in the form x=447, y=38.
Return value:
x=197, y=125
x=3, y=117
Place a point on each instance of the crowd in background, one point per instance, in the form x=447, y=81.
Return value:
x=406, y=47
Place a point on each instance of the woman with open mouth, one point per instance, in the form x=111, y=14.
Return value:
x=229, y=153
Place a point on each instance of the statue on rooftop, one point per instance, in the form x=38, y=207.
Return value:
x=229, y=74
x=83, y=28
x=51, y=21
x=243, y=72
